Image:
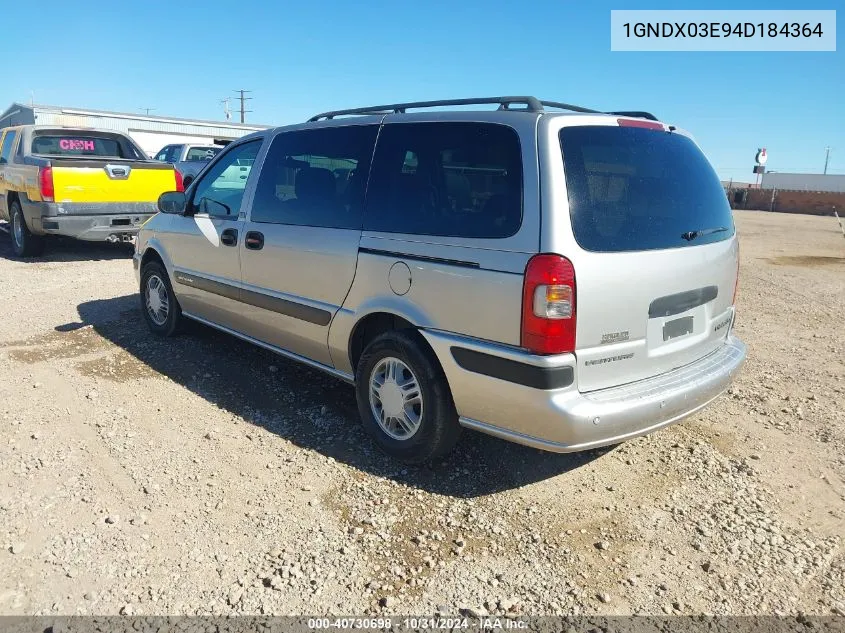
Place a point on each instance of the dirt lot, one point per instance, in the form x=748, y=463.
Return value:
x=203, y=475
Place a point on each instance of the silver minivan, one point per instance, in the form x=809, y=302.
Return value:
x=552, y=275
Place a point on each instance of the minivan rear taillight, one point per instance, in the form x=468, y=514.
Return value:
x=548, y=305
x=45, y=183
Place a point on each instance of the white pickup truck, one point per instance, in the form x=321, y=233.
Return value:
x=188, y=159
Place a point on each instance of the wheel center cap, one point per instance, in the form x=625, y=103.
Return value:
x=392, y=400
x=155, y=301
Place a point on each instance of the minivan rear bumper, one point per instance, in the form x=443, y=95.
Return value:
x=562, y=419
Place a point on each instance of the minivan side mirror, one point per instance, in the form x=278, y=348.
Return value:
x=173, y=202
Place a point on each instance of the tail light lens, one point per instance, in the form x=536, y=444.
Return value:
x=45, y=183
x=548, y=305
x=180, y=183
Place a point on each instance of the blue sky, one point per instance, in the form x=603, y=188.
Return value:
x=301, y=58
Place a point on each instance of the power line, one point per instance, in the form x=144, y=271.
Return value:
x=244, y=99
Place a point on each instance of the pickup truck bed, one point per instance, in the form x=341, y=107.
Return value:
x=86, y=184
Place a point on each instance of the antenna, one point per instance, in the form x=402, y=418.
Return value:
x=244, y=99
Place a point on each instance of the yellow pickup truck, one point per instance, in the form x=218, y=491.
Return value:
x=84, y=183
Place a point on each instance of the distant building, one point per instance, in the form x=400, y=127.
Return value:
x=804, y=182
x=149, y=131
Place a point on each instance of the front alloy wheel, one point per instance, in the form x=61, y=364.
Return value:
x=157, y=300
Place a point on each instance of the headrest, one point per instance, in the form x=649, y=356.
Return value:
x=314, y=183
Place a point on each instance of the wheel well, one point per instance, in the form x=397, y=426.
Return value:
x=370, y=327
x=151, y=255
x=10, y=198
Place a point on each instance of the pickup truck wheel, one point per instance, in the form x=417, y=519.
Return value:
x=24, y=243
x=162, y=311
x=404, y=399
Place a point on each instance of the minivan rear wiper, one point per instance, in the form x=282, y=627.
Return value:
x=689, y=236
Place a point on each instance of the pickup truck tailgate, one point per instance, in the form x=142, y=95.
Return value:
x=103, y=180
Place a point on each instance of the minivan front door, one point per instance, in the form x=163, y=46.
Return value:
x=300, y=245
x=203, y=244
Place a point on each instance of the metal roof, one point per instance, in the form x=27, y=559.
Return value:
x=140, y=117
x=58, y=115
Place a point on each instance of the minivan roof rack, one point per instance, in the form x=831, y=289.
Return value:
x=531, y=104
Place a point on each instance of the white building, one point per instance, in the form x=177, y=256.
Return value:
x=149, y=131
x=803, y=182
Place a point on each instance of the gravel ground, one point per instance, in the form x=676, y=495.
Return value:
x=201, y=475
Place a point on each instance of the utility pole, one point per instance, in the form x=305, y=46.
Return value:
x=826, y=157
x=226, y=110
x=147, y=110
x=244, y=99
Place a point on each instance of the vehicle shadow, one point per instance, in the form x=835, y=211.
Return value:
x=65, y=249
x=309, y=408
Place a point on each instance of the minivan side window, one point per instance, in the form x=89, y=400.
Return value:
x=6, y=150
x=315, y=177
x=450, y=179
x=221, y=189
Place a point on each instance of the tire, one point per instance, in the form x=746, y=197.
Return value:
x=159, y=305
x=24, y=243
x=429, y=424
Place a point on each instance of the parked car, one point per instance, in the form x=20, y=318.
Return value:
x=561, y=279
x=188, y=159
x=83, y=183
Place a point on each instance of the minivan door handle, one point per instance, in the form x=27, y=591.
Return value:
x=229, y=237
x=254, y=240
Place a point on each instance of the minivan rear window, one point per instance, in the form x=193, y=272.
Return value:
x=633, y=189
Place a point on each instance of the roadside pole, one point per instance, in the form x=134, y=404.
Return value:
x=838, y=219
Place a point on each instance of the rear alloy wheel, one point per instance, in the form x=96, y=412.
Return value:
x=158, y=303
x=24, y=243
x=404, y=399
x=395, y=398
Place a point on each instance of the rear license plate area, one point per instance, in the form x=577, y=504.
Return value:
x=121, y=222
x=677, y=327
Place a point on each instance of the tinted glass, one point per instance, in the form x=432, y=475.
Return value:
x=76, y=145
x=164, y=153
x=6, y=151
x=221, y=190
x=447, y=179
x=316, y=177
x=202, y=153
x=633, y=189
